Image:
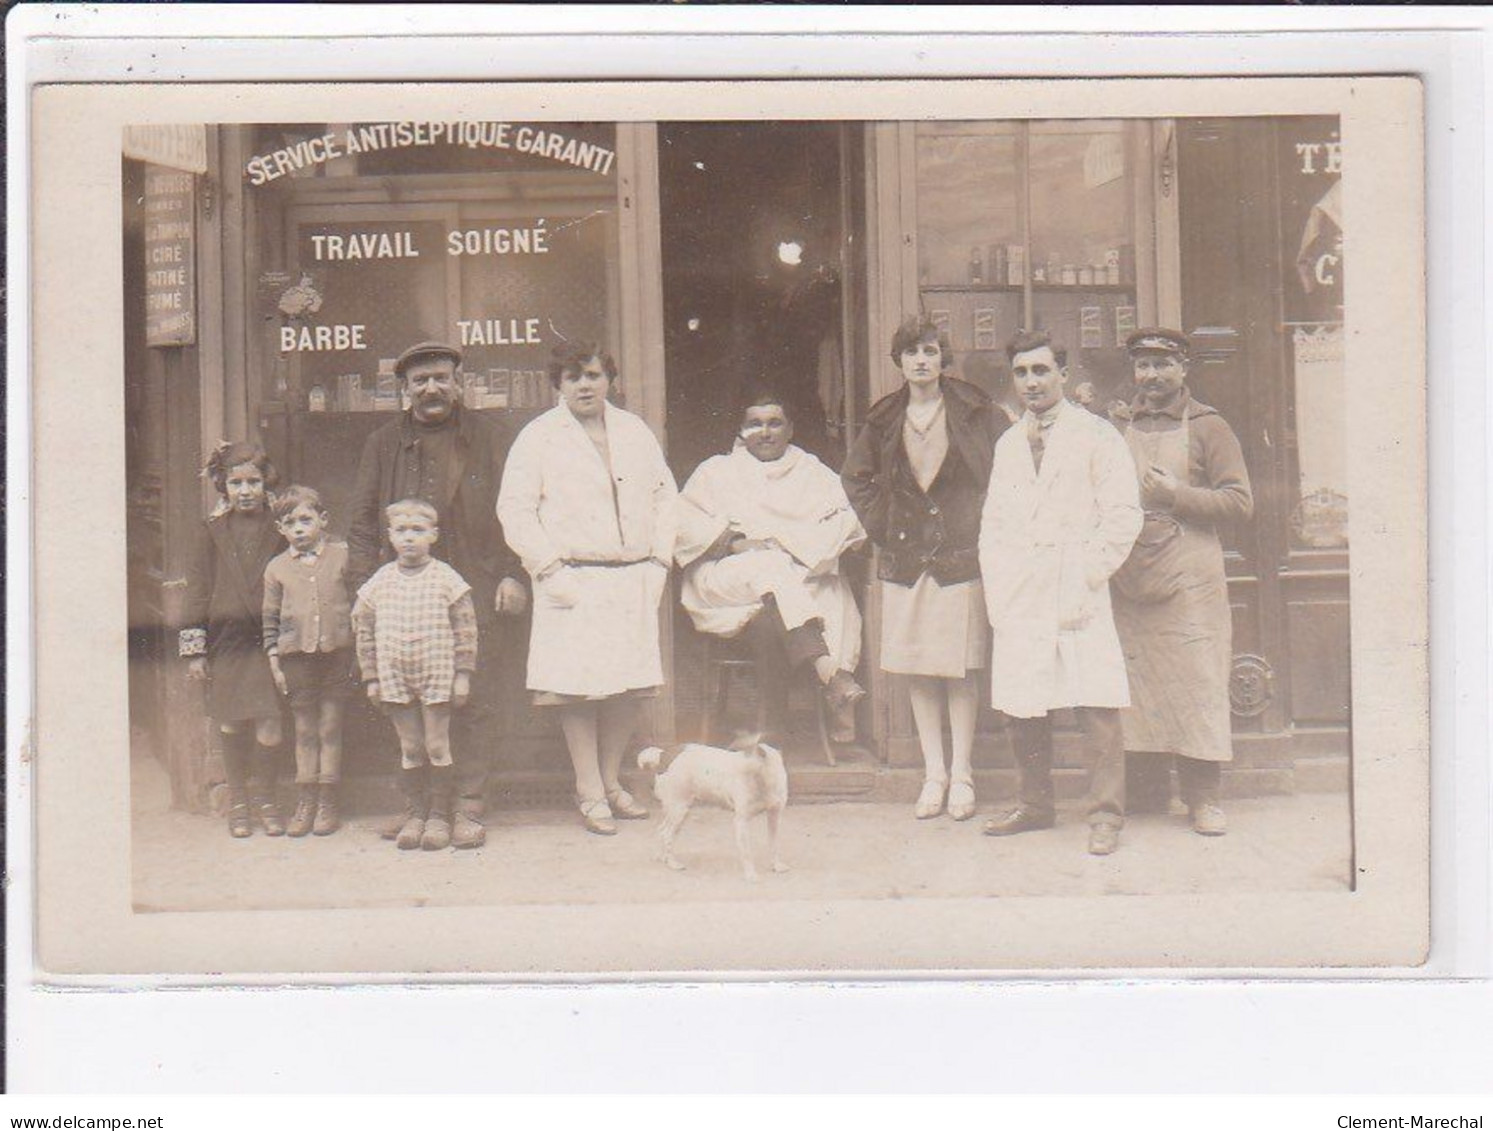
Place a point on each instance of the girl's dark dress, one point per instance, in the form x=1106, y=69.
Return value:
x=225, y=597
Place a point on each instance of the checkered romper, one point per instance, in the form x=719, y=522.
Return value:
x=416, y=632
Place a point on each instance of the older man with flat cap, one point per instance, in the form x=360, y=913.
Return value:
x=1171, y=598
x=454, y=459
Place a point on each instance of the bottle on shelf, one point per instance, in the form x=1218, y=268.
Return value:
x=976, y=266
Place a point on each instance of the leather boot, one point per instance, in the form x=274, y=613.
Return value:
x=264, y=791
x=269, y=815
x=437, y=834
x=416, y=805
x=237, y=753
x=240, y=824
x=467, y=830
x=305, y=812
x=328, y=820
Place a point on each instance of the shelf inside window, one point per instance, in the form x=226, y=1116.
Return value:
x=1017, y=288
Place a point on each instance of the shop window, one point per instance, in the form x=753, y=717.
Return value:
x=504, y=239
x=503, y=252
x=1032, y=224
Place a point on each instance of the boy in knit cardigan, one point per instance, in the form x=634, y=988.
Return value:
x=308, y=634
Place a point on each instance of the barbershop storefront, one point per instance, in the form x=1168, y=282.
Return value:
x=301, y=259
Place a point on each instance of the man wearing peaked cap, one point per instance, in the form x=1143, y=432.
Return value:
x=1158, y=339
x=1171, y=598
x=422, y=350
x=452, y=458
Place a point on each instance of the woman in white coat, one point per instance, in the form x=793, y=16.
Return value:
x=587, y=503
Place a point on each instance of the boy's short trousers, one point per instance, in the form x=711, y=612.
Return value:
x=313, y=676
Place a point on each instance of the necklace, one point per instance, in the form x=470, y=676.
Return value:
x=921, y=418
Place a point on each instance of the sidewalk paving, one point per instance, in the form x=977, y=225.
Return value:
x=840, y=851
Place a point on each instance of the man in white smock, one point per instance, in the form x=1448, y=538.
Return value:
x=1060, y=516
x=761, y=533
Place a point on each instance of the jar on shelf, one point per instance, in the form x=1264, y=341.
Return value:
x=1069, y=276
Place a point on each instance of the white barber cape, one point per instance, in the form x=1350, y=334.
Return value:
x=800, y=505
x=1049, y=542
x=595, y=630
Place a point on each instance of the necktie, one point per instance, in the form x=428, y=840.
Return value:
x=1034, y=437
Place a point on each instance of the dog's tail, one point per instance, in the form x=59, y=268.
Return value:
x=650, y=758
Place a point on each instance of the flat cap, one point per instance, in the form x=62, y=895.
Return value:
x=424, y=350
x=1158, y=339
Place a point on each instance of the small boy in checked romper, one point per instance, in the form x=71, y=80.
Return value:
x=416, y=631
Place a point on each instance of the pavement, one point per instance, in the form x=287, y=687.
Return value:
x=851, y=850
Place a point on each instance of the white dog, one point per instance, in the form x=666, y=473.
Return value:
x=748, y=779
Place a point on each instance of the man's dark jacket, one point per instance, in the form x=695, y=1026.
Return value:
x=471, y=539
x=937, y=530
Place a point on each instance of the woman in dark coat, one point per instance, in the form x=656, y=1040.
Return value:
x=917, y=478
x=220, y=635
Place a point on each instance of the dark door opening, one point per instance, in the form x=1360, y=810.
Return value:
x=763, y=269
x=758, y=266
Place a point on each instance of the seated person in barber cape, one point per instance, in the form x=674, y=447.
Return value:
x=761, y=533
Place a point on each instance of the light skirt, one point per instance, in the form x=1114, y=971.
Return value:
x=933, y=629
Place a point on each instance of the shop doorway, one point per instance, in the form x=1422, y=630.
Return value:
x=762, y=265
x=763, y=284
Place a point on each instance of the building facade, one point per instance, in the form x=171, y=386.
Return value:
x=274, y=271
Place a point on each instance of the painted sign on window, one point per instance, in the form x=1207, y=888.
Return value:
x=1311, y=164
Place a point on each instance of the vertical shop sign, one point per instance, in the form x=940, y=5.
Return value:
x=1310, y=159
x=170, y=257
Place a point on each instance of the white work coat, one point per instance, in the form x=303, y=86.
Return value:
x=1049, y=542
x=794, y=501
x=596, y=626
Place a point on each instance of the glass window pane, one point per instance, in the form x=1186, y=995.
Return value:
x=1081, y=203
x=967, y=205
x=380, y=285
x=527, y=283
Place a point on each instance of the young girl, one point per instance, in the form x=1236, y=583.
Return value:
x=308, y=635
x=221, y=638
x=917, y=478
x=416, y=630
